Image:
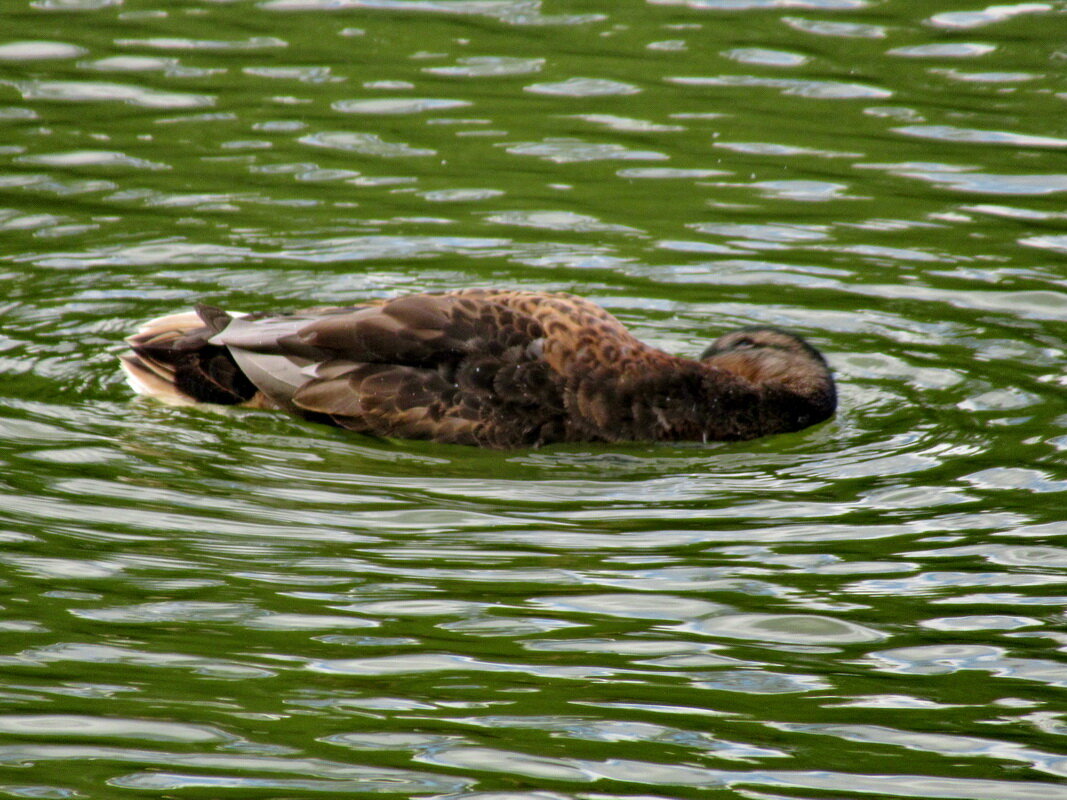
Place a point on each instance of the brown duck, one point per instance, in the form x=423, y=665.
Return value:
x=483, y=367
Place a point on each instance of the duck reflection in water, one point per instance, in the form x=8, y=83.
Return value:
x=484, y=367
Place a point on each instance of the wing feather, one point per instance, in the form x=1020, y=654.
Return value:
x=468, y=366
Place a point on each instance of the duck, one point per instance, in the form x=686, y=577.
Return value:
x=493, y=368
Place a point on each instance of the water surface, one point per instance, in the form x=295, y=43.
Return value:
x=235, y=604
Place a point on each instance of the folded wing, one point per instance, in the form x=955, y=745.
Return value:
x=455, y=368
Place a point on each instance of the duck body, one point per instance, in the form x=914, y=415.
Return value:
x=483, y=367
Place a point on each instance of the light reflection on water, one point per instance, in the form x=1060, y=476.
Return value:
x=235, y=602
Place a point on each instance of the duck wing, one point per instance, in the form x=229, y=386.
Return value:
x=451, y=367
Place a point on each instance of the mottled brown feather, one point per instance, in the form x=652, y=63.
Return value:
x=486, y=367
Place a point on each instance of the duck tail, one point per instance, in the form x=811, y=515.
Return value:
x=172, y=359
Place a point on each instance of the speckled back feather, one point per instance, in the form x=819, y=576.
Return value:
x=485, y=367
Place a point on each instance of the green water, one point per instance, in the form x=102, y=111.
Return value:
x=199, y=604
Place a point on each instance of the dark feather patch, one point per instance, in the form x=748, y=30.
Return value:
x=199, y=370
x=490, y=368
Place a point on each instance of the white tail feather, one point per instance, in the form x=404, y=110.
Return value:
x=156, y=380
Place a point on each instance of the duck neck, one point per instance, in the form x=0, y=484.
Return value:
x=685, y=400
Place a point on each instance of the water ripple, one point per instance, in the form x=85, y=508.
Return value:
x=98, y=91
x=788, y=628
x=583, y=87
x=237, y=601
x=566, y=151
x=397, y=105
x=489, y=67
x=515, y=12
x=821, y=90
x=178, y=43
x=39, y=51
x=947, y=50
x=976, y=19
x=368, y=144
x=76, y=727
x=949, y=133
x=91, y=158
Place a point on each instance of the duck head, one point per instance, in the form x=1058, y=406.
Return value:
x=786, y=371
